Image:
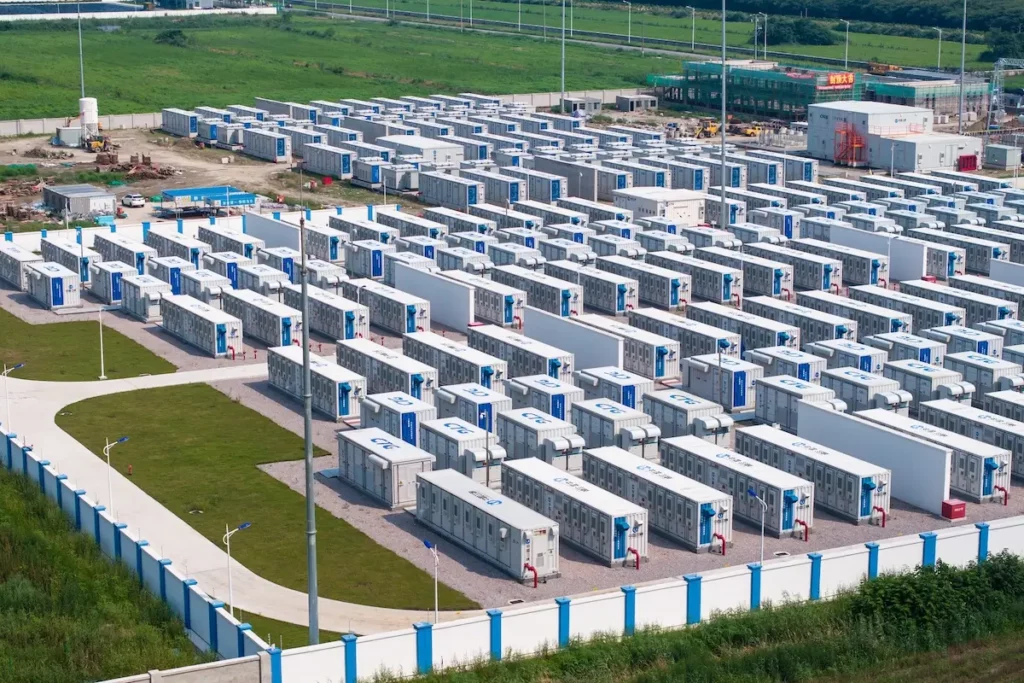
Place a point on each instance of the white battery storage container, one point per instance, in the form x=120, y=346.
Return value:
x=603, y=422
x=518, y=541
x=677, y=413
x=106, y=280
x=566, y=231
x=1014, y=354
x=325, y=275
x=359, y=229
x=761, y=276
x=658, y=286
x=703, y=236
x=870, y=319
x=336, y=391
x=262, y=279
x=408, y=259
x=170, y=269
x=513, y=254
x=1007, y=403
x=696, y=337
x=471, y=241
x=471, y=402
x=790, y=500
x=141, y=294
x=168, y=243
x=53, y=286
x=777, y=400
x=71, y=255
x=618, y=228
x=330, y=314
x=525, y=356
x=266, y=145
x=493, y=302
x=986, y=373
x=387, y=369
x=14, y=262
x=390, y=309
x=458, y=221
x=681, y=509
x=209, y=329
x=778, y=360
x=980, y=425
x=659, y=240
x=607, y=292
x=461, y=259
x=615, y=384
x=540, y=186
x=381, y=466
x=263, y=319
x=1010, y=329
x=422, y=246
x=927, y=382
x=504, y=217
x=755, y=331
x=810, y=271
x=979, y=251
x=645, y=353
x=456, y=363
x=548, y=394
x=465, y=448
x=546, y=293
x=113, y=247
x=325, y=243
x=227, y=263
x=842, y=353
x=976, y=468
x=708, y=280
x=621, y=526
x=530, y=433
x=614, y=245
x=752, y=232
x=979, y=308
x=865, y=390
x=284, y=259
x=988, y=287
x=785, y=221
x=597, y=211
x=223, y=239
x=844, y=485
x=959, y=339
x=397, y=413
x=365, y=258
x=527, y=237
x=549, y=213
x=813, y=325
x=409, y=225
x=902, y=346
x=859, y=267
x=722, y=379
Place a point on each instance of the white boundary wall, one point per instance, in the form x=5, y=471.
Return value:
x=451, y=302
x=591, y=347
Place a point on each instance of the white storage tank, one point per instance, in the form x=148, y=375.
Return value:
x=905, y=346
x=386, y=369
x=602, y=422
x=530, y=433
x=551, y=492
x=263, y=319
x=140, y=296
x=959, y=339
x=843, y=353
x=471, y=402
x=864, y=390
x=331, y=315
x=790, y=500
x=397, y=413
x=524, y=543
x=169, y=269
x=14, y=262
x=724, y=380
x=778, y=360
x=106, y=280
x=614, y=383
x=927, y=382
x=336, y=391
x=465, y=448
x=677, y=413
x=53, y=285
x=390, y=308
x=778, y=400
x=209, y=329
x=987, y=374
x=551, y=395
x=381, y=466
x=525, y=356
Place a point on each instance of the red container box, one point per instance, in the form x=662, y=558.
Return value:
x=954, y=509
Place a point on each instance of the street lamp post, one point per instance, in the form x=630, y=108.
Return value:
x=693, y=27
x=520, y=20
x=764, y=511
x=757, y=23
x=562, y=103
x=433, y=551
x=765, y=34
x=228, y=533
x=7, y=395
x=103, y=364
x=629, y=21
x=724, y=207
x=106, y=454
x=846, y=53
x=572, y=18
x=963, y=62
x=938, y=64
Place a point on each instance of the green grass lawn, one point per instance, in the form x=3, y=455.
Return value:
x=210, y=465
x=70, y=352
x=281, y=633
x=67, y=614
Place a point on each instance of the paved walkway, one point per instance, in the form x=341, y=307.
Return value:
x=33, y=407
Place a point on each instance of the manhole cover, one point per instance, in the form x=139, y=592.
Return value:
x=780, y=553
x=515, y=601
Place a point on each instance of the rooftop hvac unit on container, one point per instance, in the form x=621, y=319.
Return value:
x=1007, y=404
x=422, y=246
x=843, y=353
x=925, y=312
x=678, y=413
x=902, y=346
x=408, y=259
x=387, y=369
x=866, y=390
x=785, y=221
x=778, y=400
x=682, y=509
x=870, y=319
x=493, y=302
x=778, y=360
x=959, y=339
x=473, y=241
x=472, y=402
x=458, y=221
x=331, y=315
x=381, y=466
x=409, y=225
x=53, y=285
x=359, y=229
x=546, y=293
x=790, y=500
x=560, y=249
x=223, y=239
x=986, y=373
x=979, y=251
x=549, y=491
x=859, y=267
x=644, y=353
x=912, y=220
x=465, y=448
x=450, y=191
x=505, y=217
x=170, y=269
x=696, y=337
x=614, y=245
x=141, y=294
x=722, y=379
x=397, y=413
x=116, y=248
x=1014, y=294
x=551, y=214
x=977, y=469
x=512, y=254
x=926, y=382
x=596, y=210
x=530, y=433
x=526, y=237
x=262, y=279
x=205, y=285
x=752, y=232
x=71, y=255
x=525, y=356
x=607, y=292
x=709, y=281
x=614, y=384
x=703, y=236
x=211, y=330
x=980, y=425
x=548, y=394
x=365, y=258
x=283, y=259
x=659, y=240
x=14, y=262
x=390, y=309
x=520, y=542
x=456, y=363
x=813, y=325
x=336, y=391
x=461, y=259
x=755, y=331
x=844, y=485
x=540, y=186
x=263, y=319
x=106, y=280
x=760, y=276
x=810, y=271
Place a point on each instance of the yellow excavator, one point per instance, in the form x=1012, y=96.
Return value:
x=707, y=128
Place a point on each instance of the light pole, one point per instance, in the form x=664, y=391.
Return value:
x=963, y=61
x=846, y=53
x=561, y=106
x=892, y=158
x=103, y=362
x=765, y=34
x=572, y=21
x=228, y=533
x=520, y=19
x=471, y=13
x=433, y=551
x=629, y=21
x=81, y=58
x=938, y=64
x=764, y=511
x=483, y=417
x=724, y=208
x=756, y=24
x=7, y=395
x=428, y=11
x=106, y=454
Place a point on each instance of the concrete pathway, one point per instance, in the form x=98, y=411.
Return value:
x=33, y=408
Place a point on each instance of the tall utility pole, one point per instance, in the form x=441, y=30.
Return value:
x=693, y=26
x=81, y=58
x=765, y=35
x=723, y=218
x=938, y=63
x=561, y=105
x=846, y=52
x=963, y=62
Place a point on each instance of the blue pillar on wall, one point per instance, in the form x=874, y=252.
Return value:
x=369, y=212
x=982, y=528
x=563, y=621
x=145, y=230
x=138, y=559
x=10, y=450
x=96, y=510
x=275, y=665
x=8, y=236
x=185, y=585
x=495, y=616
x=164, y=564
x=78, y=235
x=78, y=508
x=213, y=220
x=815, y=575
x=424, y=647
x=24, y=459
x=44, y=234
x=242, y=628
x=692, y=598
x=629, y=595
x=350, y=656
x=181, y=226
x=872, y=559
x=113, y=227
x=755, y=585
x=928, y=552
x=276, y=215
x=338, y=209
x=42, y=482
x=60, y=491
x=309, y=214
x=117, y=539
x=214, y=606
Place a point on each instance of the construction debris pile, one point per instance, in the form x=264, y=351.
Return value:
x=41, y=153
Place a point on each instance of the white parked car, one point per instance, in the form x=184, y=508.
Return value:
x=133, y=200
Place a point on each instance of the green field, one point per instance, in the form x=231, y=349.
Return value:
x=67, y=614
x=212, y=467
x=280, y=633
x=70, y=352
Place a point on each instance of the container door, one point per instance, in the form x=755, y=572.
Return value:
x=57, y=291
x=350, y=325
x=789, y=499
x=739, y=388
x=286, y=331
x=620, y=297
x=787, y=226
x=513, y=192
x=428, y=250
x=809, y=172
x=344, y=389
x=875, y=265
x=175, y=280
x=410, y=318
x=777, y=281
x=409, y=428
x=772, y=175
x=471, y=195
x=556, y=190
x=558, y=406
x=673, y=296
x=509, y=309
x=620, y=182
x=865, y=363
x=233, y=274
x=83, y=270
x=736, y=177
x=140, y=263
x=951, y=265
x=621, y=527
x=222, y=339
x=485, y=376
x=554, y=366
x=416, y=386
x=480, y=247
x=925, y=355
x=707, y=514
x=566, y=297
x=867, y=488
x=986, y=483
x=485, y=416
x=577, y=237
x=983, y=347
x=803, y=371
x=726, y=287
x=346, y=164
x=288, y=265
x=115, y=287
x=659, y=361
x=827, y=280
